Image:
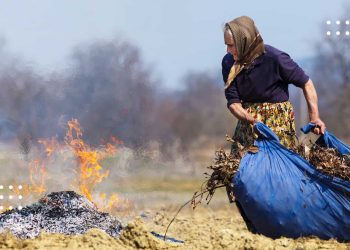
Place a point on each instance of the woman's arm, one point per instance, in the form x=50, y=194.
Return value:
x=311, y=99
x=240, y=113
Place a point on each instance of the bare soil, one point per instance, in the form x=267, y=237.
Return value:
x=204, y=228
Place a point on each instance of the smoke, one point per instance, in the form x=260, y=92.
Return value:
x=112, y=92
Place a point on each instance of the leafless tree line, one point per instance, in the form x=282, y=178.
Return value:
x=332, y=73
x=110, y=90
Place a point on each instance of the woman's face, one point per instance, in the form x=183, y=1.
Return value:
x=230, y=43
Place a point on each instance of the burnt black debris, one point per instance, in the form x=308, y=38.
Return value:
x=58, y=212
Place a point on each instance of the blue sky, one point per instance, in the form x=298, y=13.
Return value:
x=174, y=36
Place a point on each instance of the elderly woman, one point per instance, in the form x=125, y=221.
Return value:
x=256, y=79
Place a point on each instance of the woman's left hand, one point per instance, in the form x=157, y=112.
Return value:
x=320, y=126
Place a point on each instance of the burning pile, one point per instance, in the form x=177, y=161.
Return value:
x=59, y=212
x=86, y=164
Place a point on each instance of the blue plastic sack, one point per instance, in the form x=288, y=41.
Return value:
x=284, y=195
x=328, y=140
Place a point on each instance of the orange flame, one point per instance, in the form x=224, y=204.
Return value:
x=37, y=176
x=37, y=180
x=114, y=204
x=37, y=170
x=90, y=170
x=51, y=145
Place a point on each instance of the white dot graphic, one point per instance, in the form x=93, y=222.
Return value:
x=10, y=197
x=20, y=207
x=20, y=197
x=10, y=187
x=347, y=33
x=1, y=187
x=20, y=187
x=328, y=22
x=347, y=22
x=337, y=33
x=337, y=22
x=10, y=207
x=1, y=197
x=328, y=33
x=1, y=207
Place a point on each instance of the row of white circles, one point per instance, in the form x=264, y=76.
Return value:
x=347, y=33
x=20, y=197
x=10, y=207
x=347, y=22
x=11, y=187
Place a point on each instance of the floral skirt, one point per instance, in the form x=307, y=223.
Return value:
x=277, y=116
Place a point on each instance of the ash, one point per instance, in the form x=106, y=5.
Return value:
x=59, y=212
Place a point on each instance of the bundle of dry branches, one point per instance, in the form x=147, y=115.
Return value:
x=327, y=160
x=225, y=166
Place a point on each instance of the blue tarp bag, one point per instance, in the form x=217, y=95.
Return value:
x=282, y=194
x=328, y=140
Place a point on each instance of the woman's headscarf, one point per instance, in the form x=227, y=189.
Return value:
x=249, y=44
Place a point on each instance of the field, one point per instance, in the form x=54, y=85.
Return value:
x=150, y=192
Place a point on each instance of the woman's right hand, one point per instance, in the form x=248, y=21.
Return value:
x=253, y=121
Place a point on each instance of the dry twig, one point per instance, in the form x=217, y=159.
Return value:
x=327, y=160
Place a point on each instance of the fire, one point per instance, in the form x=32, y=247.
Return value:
x=37, y=180
x=89, y=172
x=51, y=145
x=38, y=177
x=114, y=204
x=37, y=169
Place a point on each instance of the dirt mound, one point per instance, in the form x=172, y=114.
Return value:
x=224, y=228
x=59, y=212
x=134, y=236
x=202, y=229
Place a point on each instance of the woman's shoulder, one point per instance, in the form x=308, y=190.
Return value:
x=274, y=53
x=271, y=52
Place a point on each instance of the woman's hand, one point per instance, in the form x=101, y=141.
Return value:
x=320, y=126
x=240, y=113
x=255, y=121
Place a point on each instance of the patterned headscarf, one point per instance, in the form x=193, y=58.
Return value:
x=249, y=44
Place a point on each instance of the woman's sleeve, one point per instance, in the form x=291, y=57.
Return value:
x=290, y=71
x=226, y=65
x=231, y=93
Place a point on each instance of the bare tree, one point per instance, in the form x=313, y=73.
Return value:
x=22, y=101
x=332, y=73
x=111, y=92
x=198, y=111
